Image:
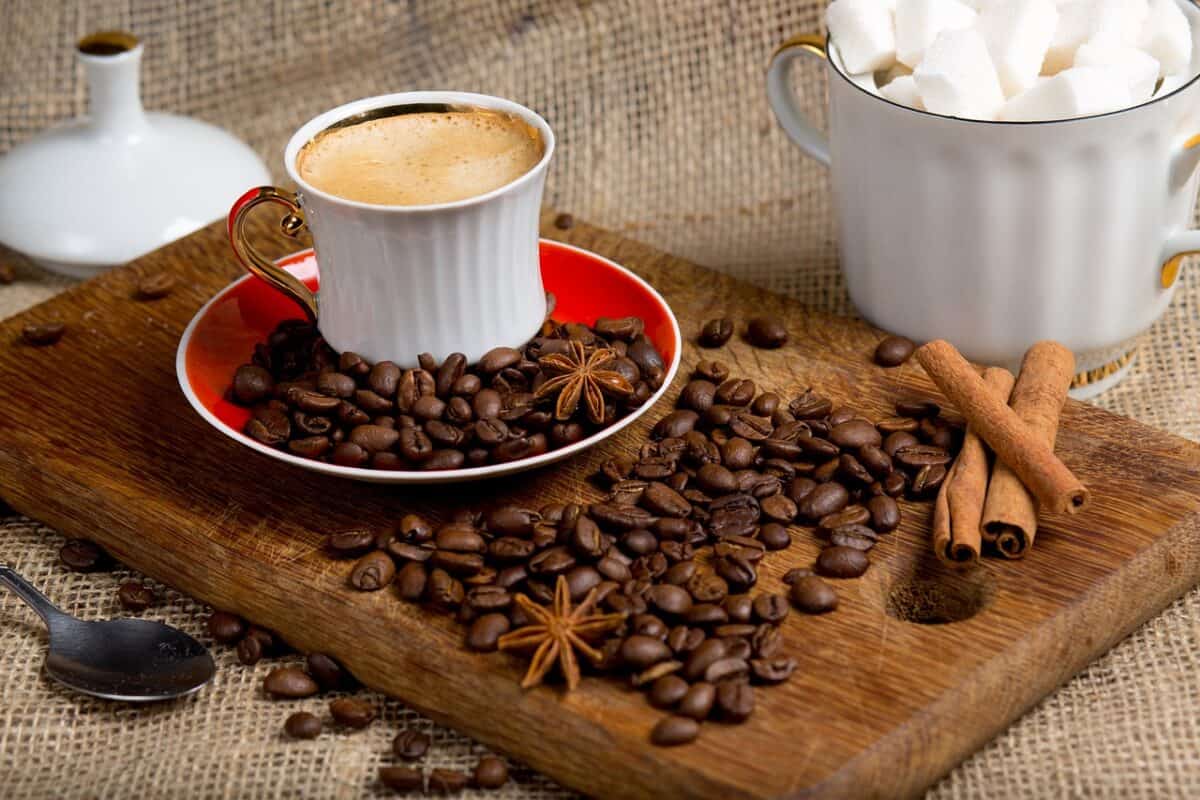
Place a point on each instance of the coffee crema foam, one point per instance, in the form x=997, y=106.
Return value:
x=421, y=158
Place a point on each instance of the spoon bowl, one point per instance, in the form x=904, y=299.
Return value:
x=132, y=660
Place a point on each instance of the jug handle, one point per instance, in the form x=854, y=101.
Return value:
x=791, y=118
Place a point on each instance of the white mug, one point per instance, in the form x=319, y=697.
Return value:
x=459, y=277
x=995, y=235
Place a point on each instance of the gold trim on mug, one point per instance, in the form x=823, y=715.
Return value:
x=291, y=225
x=813, y=43
x=1103, y=371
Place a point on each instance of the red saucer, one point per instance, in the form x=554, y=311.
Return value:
x=223, y=333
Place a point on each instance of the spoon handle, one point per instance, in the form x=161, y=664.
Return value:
x=32, y=597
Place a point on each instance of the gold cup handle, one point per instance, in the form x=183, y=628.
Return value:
x=291, y=225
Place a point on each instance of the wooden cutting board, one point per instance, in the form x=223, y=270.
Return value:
x=917, y=669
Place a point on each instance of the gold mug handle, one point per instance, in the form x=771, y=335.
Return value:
x=292, y=223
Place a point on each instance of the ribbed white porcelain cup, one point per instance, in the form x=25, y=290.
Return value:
x=995, y=235
x=460, y=277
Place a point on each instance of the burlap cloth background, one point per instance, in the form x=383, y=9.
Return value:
x=665, y=134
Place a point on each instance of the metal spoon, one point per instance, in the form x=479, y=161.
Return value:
x=134, y=660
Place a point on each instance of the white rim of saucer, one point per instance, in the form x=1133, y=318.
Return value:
x=434, y=477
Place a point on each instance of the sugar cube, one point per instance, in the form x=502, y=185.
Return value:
x=903, y=90
x=864, y=32
x=918, y=22
x=1018, y=34
x=1075, y=92
x=957, y=77
x=1167, y=36
x=1122, y=18
x=1074, y=28
x=1139, y=70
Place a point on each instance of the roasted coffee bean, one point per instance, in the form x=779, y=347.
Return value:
x=252, y=384
x=335, y=384
x=676, y=529
x=825, y=499
x=486, y=630
x=767, y=641
x=918, y=409
x=928, y=480
x=677, y=551
x=639, y=542
x=302, y=725
x=922, y=455
x=250, y=650
x=706, y=614
x=488, y=598
x=351, y=712
x=490, y=772
x=937, y=434
x=329, y=674
x=581, y=580
x=374, y=437
x=826, y=472
x=619, y=517
x=679, y=573
x=772, y=608
x=799, y=488
x=705, y=587
x=373, y=571
x=748, y=426
x=774, y=536
x=716, y=332
x=897, y=425
x=225, y=627
x=643, y=353
x=428, y=407
x=348, y=454
x=794, y=574
x=855, y=433
x=443, y=459
x=735, y=392
x=766, y=404
x=737, y=572
x=850, y=515
x=640, y=651
x=450, y=371
x=767, y=332
x=552, y=561
x=859, y=537
x=893, y=485
x=269, y=426
x=729, y=668
x=698, y=395
x=674, y=730
x=778, y=508
x=813, y=595
x=402, y=779
x=676, y=424
x=893, y=351
x=816, y=447
x=682, y=639
x=852, y=472
x=135, y=596
x=310, y=446
x=649, y=567
x=290, y=682
x=705, y=654
x=842, y=562
x=698, y=702
x=460, y=538
x=716, y=478
x=81, y=555
x=710, y=370
x=669, y=599
x=743, y=547
x=772, y=670
x=42, y=334
x=667, y=691
x=410, y=745
x=648, y=625
x=660, y=499
x=735, y=701
x=733, y=632
x=885, y=513
x=443, y=590
x=876, y=460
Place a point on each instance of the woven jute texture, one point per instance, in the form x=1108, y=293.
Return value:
x=665, y=135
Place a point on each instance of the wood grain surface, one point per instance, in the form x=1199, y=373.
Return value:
x=97, y=441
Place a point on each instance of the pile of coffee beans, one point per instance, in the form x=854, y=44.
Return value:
x=727, y=473
x=315, y=403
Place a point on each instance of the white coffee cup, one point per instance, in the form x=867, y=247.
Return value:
x=995, y=235
x=458, y=277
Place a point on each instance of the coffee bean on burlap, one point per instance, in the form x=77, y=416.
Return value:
x=302, y=725
x=289, y=682
x=402, y=779
x=351, y=712
x=716, y=332
x=225, y=627
x=81, y=555
x=410, y=745
x=135, y=596
x=490, y=773
x=447, y=781
x=328, y=673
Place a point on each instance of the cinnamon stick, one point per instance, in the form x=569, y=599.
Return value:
x=1015, y=443
x=1009, y=513
x=958, y=512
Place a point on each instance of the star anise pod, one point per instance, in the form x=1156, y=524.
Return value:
x=581, y=375
x=555, y=634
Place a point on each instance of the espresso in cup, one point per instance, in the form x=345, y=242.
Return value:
x=421, y=157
